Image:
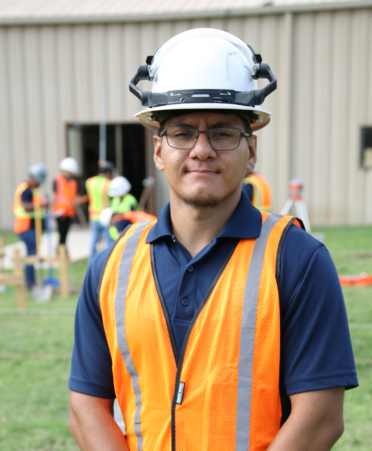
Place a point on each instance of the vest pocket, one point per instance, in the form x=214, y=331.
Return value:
x=222, y=416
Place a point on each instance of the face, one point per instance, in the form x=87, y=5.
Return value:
x=204, y=177
x=34, y=182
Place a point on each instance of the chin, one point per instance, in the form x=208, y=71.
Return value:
x=202, y=200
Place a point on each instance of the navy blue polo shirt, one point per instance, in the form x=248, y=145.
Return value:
x=316, y=350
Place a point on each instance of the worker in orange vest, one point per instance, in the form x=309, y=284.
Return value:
x=66, y=197
x=25, y=198
x=258, y=190
x=217, y=326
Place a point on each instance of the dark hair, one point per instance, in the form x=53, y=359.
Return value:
x=246, y=116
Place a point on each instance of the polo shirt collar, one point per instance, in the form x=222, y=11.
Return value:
x=244, y=223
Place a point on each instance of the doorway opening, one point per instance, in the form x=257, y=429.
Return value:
x=126, y=147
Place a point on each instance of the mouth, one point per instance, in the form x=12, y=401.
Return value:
x=201, y=171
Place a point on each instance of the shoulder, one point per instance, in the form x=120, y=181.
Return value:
x=303, y=262
x=26, y=194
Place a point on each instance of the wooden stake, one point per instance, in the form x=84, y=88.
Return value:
x=63, y=274
x=38, y=223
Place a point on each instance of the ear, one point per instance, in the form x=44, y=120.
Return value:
x=158, y=158
x=252, y=158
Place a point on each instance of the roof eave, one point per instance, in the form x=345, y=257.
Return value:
x=131, y=18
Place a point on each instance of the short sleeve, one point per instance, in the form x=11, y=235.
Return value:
x=91, y=364
x=27, y=196
x=316, y=351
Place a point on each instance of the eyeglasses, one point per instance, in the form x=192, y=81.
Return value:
x=222, y=138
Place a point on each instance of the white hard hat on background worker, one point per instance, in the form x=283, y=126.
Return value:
x=69, y=164
x=119, y=186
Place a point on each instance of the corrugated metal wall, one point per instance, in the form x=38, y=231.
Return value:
x=51, y=75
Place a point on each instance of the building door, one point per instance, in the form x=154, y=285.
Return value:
x=125, y=147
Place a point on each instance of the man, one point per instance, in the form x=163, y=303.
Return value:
x=258, y=190
x=25, y=199
x=218, y=327
x=66, y=197
x=97, y=189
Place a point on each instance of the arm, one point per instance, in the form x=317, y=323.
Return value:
x=92, y=424
x=315, y=422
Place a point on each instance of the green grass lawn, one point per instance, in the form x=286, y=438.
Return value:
x=351, y=250
x=10, y=237
x=34, y=394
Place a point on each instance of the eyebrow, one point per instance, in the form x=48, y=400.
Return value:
x=219, y=124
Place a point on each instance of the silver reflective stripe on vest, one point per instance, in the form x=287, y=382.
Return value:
x=247, y=335
x=121, y=293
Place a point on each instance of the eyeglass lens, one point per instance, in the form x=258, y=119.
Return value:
x=224, y=138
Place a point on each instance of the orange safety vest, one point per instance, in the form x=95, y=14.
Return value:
x=222, y=391
x=261, y=191
x=135, y=216
x=22, y=220
x=65, y=193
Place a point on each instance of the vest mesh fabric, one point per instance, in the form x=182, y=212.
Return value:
x=209, y=366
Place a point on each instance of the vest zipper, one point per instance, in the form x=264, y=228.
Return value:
x=184, y=346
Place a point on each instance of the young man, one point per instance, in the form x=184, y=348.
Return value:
x=25, y=198
x=218, y=327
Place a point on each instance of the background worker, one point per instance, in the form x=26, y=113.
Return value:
x=25, y=198
x=66, y=197
x=218, y=327
x=97, y=190
x=122, y=202
x=258, y=190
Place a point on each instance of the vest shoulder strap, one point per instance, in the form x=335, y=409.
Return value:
x=109, y=255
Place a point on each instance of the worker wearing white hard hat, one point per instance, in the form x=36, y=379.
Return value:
x=66, y=197
x=26, y=197
x=218, y=327
x=122, y=200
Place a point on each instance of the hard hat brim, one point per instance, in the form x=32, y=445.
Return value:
x=145, y=116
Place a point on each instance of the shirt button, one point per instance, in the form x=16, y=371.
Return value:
x=190, y=269
x=185, y=302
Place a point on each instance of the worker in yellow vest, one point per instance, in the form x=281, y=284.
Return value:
x=97, y=190
x=217, y=326
x=66, y=197
x=122, y=202
x=25, y=198
x=258, y=190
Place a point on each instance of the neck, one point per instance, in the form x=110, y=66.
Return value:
x=195, y=227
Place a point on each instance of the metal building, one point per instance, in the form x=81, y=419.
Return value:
x=56, y=58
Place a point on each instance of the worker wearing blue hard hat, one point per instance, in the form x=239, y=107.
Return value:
x=25, y=199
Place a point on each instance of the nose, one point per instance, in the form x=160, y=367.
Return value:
x=202, y=149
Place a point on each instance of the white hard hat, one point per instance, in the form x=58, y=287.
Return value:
x=119, y=186
x=105, y=217
x=203, y=69
x=38, y=172
x=69, y=164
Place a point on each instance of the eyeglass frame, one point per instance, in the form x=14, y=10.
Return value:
x=244, y=134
